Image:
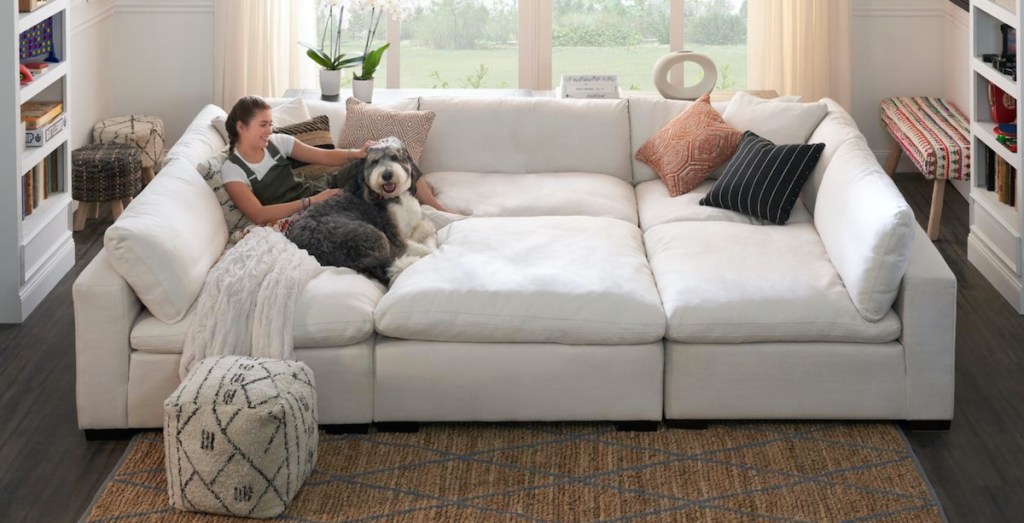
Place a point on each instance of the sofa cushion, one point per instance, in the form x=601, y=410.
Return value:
x=528, y=135
x=764, y=179
x=539, y=194
x=365, y=122
x=866, y=226
x=167, y=240
x=334, y=310
x=732, y=283
x=563, y=279
x=656, y=207
x=835, y=130
x=686, y=149
x=200, y=140
x=782, y=122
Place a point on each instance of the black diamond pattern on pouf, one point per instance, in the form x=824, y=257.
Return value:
x=240, y=436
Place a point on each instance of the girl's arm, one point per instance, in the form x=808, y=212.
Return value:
x=332, y=157
x=241, y=194
x=425, y=194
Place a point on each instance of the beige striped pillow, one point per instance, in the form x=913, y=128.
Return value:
x=365, y=122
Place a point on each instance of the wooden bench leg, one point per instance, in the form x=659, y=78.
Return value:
x=894, y=158
x=147, y=175
x=116, y=208
x=94, y=210
x=935, y=216
x=80, y=216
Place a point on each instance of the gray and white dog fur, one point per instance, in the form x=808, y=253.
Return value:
x=376, y=226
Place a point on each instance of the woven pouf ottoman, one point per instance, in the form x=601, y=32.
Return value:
x=240, y=436
x=104, y=173
x=144, y=132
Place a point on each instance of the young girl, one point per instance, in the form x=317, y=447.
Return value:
x=258, y=177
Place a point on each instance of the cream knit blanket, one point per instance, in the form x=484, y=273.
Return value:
x=247, y=303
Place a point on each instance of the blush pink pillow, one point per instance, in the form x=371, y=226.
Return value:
x=690, y=146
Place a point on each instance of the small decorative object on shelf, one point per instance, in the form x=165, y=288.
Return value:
x=676, y=92
x=25, y=75
x=38, y=114
x=589, y=86
x=25, y=6
x=39, y=136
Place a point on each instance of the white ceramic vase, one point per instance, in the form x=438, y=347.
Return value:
x=330, y=82
x=675, y=92
x=362, y=90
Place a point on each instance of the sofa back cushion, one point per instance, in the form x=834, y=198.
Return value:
x=835, y=130
x=201, y=139
x=528, y=135
x=167, y=240
x=866, y=227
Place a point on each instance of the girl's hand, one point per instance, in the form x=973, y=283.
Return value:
x=361, y=151
x=323, y=195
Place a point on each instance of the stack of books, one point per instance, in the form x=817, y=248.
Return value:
x=43, y=120
x=39, y=182
x=589, y=86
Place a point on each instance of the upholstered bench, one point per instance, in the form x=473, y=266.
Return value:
x=104, y=173
x=144, y=132
x=240, y=436
x=935, y=135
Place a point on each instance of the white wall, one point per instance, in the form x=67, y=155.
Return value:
x=90, y=48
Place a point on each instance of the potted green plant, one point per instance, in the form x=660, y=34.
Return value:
x=327, y=54
x=362, y=81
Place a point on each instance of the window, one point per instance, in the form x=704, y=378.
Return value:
x=717, y=28
x=460, y=44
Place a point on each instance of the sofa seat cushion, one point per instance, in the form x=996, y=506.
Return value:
x=335, y=310
x=733, y=283
x=655, y=207
x=562, y=279
x=540, y=194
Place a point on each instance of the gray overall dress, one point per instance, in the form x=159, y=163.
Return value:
x=279, y=184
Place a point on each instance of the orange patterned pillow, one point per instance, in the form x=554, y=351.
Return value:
x=689, y=147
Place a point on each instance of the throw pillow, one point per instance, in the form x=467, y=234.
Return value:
x=689, y=147
x=210, y=170
x=315, y=132
x=762, y=179
x=782, y=122
x=364, y=122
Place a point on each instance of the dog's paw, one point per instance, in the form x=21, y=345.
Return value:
x=419, y=250
x=401, y=264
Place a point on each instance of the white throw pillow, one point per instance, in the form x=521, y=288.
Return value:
x=866, y=226
x=234, y=218
x=167, y=240
x=779, y=120
x=292, y=110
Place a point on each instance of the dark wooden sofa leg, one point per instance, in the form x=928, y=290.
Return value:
x=404, y=427
x=687, y=424
x=348, y=428
x=107, y=434
x=928, y=424
x=636, y=426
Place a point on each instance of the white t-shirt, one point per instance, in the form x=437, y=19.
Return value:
x=233, y=173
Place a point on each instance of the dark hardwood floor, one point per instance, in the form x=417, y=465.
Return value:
x=49, y=473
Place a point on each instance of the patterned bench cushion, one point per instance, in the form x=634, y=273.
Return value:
x=933, y=132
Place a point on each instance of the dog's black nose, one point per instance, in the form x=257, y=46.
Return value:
x=387, y=176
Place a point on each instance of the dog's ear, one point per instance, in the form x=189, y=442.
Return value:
x=349, y=176
x=414, y=172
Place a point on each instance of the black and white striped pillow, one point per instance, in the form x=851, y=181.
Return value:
x=762, y=179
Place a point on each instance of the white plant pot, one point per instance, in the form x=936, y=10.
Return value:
x=363, y=90
x=330, y=82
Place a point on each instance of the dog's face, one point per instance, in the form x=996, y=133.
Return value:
x=388, y=170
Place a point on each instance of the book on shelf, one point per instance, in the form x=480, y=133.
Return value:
x=53, y=172
x=38, y=114
x=38, y=184
x=39, y=136
x=990, y=169
x=26, y=194
x=1003, y=172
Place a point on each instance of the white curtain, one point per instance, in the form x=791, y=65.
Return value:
x=800, y=47
x=256, y=49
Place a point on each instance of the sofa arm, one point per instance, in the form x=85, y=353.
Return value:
x=105, y=310
x=926, y=305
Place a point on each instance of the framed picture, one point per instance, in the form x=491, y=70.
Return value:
x=1009, y=40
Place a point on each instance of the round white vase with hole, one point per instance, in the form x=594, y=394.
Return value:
x=676, y=92
x=330, y=82
x=362, y=90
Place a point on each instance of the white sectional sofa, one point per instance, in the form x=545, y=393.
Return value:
x=577, y=289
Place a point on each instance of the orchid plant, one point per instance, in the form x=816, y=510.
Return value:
x=377, y=8
x=326, y=55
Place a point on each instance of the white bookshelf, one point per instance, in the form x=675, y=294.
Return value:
x=37, y=250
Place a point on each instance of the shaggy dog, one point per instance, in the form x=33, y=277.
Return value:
x=375, y=226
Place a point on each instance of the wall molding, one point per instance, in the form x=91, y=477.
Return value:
x=900, y=11
x=958, y=17
x=165, y=6
x=81, y=24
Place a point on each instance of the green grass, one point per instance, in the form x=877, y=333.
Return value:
x=632, y=65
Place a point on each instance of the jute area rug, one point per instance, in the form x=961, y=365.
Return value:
x=578, y=472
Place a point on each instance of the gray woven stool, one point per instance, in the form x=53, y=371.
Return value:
x=104, y=173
